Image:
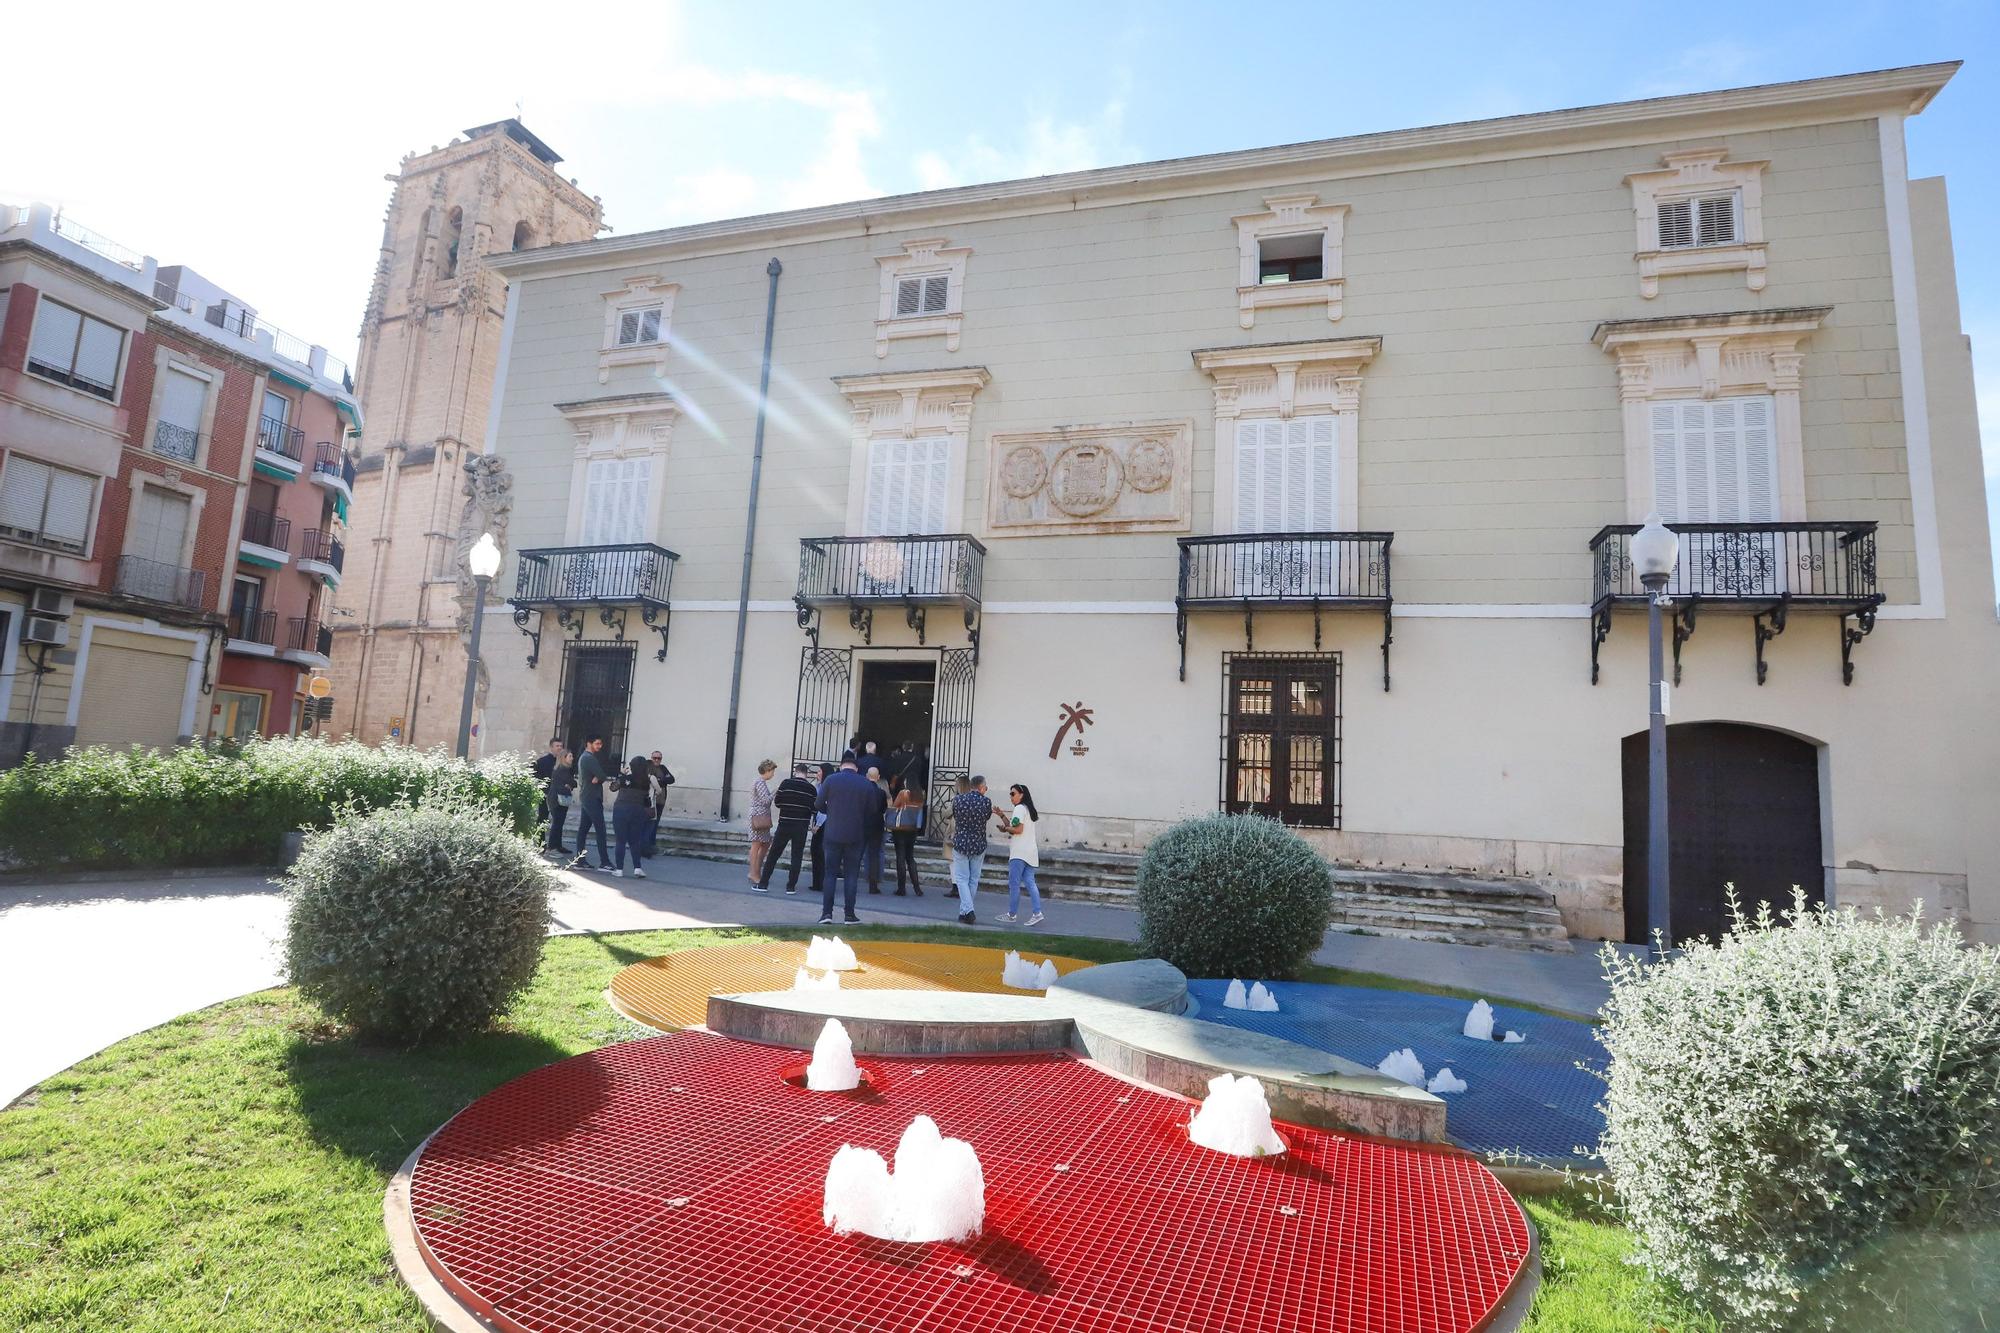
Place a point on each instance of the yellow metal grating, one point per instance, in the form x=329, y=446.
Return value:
x=672, y=991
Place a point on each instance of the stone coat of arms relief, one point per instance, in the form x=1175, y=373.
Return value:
x=1082, y=479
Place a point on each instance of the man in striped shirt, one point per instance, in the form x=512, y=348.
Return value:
x=794, y=801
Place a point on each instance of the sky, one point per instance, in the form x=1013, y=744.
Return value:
x=251, y=141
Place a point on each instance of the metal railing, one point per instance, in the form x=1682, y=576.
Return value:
x=267, y=529
x=1749, y=562
x=324, y=547
x=1303, y=567
x=633, y=573
x=153, y=581
x=275, y=437
x=331, y=460
x=175, y=441
x=254, y=627
x=124, y=256
x=302, y=635
x=946, y=568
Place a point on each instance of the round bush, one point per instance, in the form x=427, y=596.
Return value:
x=1803, y=1122
x=1233, y=896
x=417, y=923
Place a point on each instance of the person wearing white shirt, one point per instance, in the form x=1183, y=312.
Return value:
x=1023, y=853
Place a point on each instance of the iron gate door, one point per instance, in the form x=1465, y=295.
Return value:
x=819, y=727
x=951, y=738
x=1742, y=809
x=596, y=696
x=1281, y=737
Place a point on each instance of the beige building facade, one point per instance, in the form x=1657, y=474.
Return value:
x=1297, y=480
x=431, y=343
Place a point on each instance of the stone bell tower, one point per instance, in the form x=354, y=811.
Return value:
x=430, y=350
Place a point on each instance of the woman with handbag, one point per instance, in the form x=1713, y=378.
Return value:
x=556, y=793
x=760, y=817
x=906, y=820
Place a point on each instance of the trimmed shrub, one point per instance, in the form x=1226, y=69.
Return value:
x=228, y=804
x=416, y=923
x=1233, y=896
x=1803, y=1121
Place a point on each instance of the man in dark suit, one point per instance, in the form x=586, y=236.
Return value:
x=851, y=804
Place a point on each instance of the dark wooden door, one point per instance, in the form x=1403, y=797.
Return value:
x=1282, y=738
x=1742, y=809
x=596, y=696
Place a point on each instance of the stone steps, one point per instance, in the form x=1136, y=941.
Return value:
x=1448, y=909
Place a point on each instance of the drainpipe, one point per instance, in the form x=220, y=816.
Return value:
x=774, y=268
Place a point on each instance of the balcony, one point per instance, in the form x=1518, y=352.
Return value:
x=176, y=441
x=169, y=585
x=1315, y=571
x=333, y=469
x=281, y=449
x=253, y=633
x=322, y=555
x=267, y=539
x=307, y=643
x=571, y=579
x=914, y=572
x=1766, y=571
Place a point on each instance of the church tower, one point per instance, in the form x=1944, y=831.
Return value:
x=430, y=349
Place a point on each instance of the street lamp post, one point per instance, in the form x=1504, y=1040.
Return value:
x=484, y=561
x=1654, y=550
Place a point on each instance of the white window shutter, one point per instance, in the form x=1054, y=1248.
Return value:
x=1321, y=512
x=1725, y=452
x=909, y=296
x=1760, y=462
x=628, y=328
x=937, y=486
x=1297, y=514
x=1695, y=466
x=937, y=289
x=599, y=499
x=1249, y=458
x=182, y=400
x=97, y=354
x=881, y=462
x=56, y=329
x=1666, y=461
x=1716, y=221
x=638, y=497
x=1271, y=491
x=649, y=325
x=68, y=518
x=1676, y=225
x=22, y=490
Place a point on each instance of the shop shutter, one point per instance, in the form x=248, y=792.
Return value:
x=132, y=694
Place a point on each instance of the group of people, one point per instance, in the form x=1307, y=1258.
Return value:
x=841, y=814
x=582, y=780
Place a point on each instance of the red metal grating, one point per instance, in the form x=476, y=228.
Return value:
x=674, y=1184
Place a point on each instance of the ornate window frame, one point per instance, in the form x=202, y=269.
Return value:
x=1712, y=356
x=1283, y=380
x=637, y=293
x=924, y=257
x=168, y=358
x=1690, y=173
x=1289, y=215
x=624, y=426
x=908, y=404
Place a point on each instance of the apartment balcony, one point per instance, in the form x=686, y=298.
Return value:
x=1303, y=571
x=308, y=643
x=915, y=573
x=573, y=580
x=281, y=449
x=252, y=633
x=333, y=469
x=168, y=585
x=267, y=540
x=1764, y=571
x=322, y=556
x=176, y=442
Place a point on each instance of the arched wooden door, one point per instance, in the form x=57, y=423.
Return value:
x=1742, y=809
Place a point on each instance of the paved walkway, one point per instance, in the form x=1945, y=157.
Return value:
x=176, y=944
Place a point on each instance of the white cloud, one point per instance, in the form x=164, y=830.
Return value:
x=1049, y=148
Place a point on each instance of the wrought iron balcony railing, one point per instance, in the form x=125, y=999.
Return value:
x=1313, y=571
x=324, y=641
x=275, y=437
x=915, y=572
x=634, y=574
x=330, y=460
x=254, y=627
x=302, y=635
x=152, y=581
x=176, y=441
x=267, y=529
x=1765, y=570
x=324, y=547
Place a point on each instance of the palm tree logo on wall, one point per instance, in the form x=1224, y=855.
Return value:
x=1074, y=717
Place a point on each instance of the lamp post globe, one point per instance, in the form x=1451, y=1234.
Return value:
x=1654, y=550
x=484, y=562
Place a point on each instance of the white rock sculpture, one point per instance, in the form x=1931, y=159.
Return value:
x=938, y=1190
x=831, y=955
x=1235, y=1118
x=833, y=1068
x=1445, y=1081
x=1403, y=1065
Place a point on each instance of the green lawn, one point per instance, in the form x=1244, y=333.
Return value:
x=225, y=1171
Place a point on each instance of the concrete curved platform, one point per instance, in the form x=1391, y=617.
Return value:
x=674, y=1182
x=672, y=990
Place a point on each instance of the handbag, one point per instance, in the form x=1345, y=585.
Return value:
x=562, y=798
x=760, y=823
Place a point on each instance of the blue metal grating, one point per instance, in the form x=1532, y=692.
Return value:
x=1528, y=1098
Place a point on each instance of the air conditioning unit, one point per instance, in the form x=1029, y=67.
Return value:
x=51, y=602
x=45, y=629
